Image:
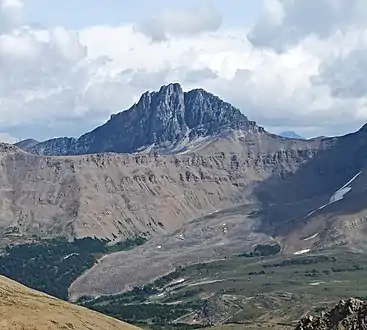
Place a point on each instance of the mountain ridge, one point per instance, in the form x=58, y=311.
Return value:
x=291, y=135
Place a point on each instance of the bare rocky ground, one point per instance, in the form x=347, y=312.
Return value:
x=215, y=236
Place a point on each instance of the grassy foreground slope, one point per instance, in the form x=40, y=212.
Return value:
x=27, y=309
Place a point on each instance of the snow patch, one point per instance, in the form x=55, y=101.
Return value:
x=178, y=281
x=351, y=180
x=302, y=251
x=339, y=194
x=312, y=212
x=216, y=211
x=70, y=255
x=311, y=237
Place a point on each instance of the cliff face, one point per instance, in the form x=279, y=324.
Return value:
x=117, y=196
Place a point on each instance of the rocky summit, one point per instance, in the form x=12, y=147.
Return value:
x=166, y=120
x=349, y=314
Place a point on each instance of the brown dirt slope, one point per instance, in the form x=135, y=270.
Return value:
x=22, y=308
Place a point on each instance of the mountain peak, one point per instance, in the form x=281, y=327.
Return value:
x=161, y=120
x=171, y=88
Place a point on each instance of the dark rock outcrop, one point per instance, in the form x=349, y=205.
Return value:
x=348, y=314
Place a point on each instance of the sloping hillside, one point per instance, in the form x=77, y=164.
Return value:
x=117, y=196
x=24, y=309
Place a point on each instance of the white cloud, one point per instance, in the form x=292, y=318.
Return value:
x=10, y=11
x=7, y=138
x=287, y=22
x=180, y=21
x=66, y=82
x=345, y=74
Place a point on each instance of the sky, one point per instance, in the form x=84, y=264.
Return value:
x=66, y=66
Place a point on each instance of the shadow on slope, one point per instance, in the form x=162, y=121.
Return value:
x=288, y=199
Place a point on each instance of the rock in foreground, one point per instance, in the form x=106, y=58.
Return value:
x=347, y=315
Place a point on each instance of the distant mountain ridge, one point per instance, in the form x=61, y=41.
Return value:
x=291, y=135
x=165, y=120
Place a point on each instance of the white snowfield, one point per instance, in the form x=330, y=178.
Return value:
x=302, y=251
x=70, y=255
x=338, y=195
x=180, y=280
x=311, y=237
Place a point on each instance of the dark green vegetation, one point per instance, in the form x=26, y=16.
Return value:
x=137, y=306
x=125, y=245
x=51, y=266
x=263, y=250
x=253, y=292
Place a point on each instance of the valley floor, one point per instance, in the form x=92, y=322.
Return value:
x=242, y=292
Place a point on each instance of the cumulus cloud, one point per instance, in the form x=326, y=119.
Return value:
x=287, y=22
x=10, y=14
x=7, y=138
x=308, y=79
x=180, y=21
x=345, y=74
